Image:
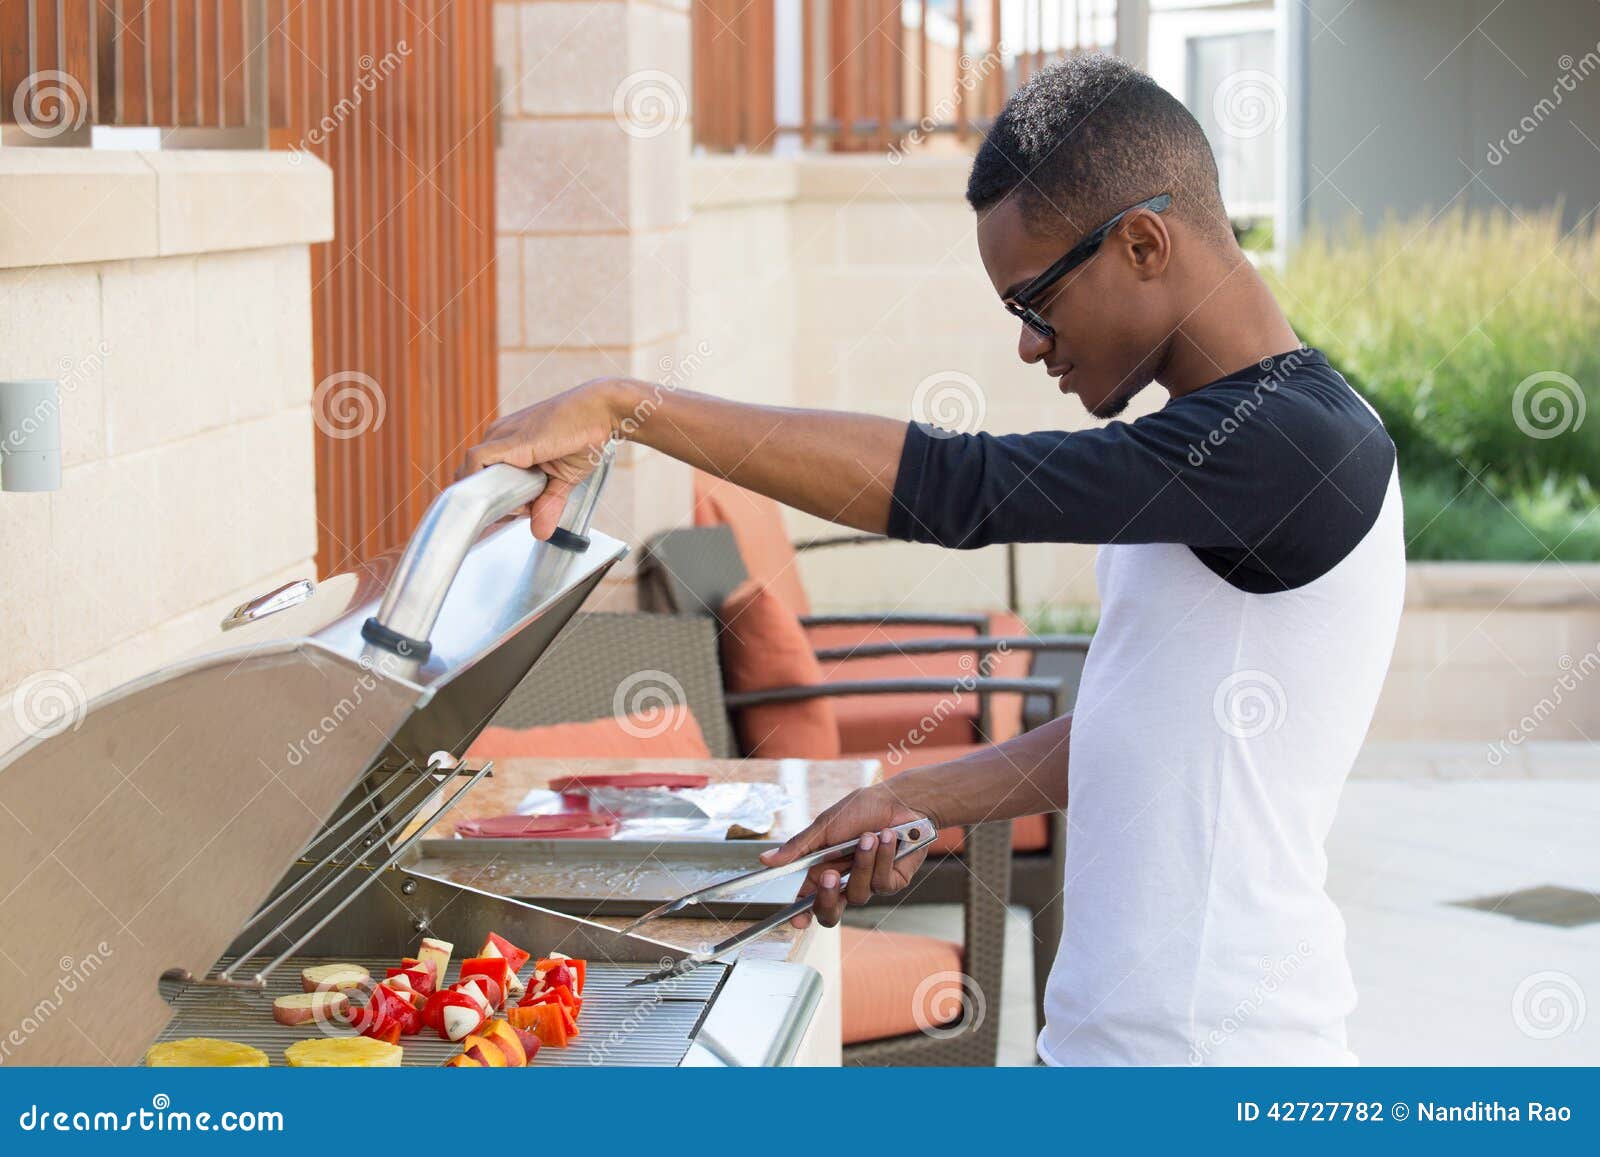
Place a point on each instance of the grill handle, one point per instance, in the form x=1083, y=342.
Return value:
x=454, y=521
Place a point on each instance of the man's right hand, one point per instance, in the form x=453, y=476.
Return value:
x=864, y=816
x=562, y=436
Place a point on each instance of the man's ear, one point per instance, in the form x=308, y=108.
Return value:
x=1147, y=243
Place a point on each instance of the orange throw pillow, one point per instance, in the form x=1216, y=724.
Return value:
x=666, y=733
x=758, y=531
x=763, y=646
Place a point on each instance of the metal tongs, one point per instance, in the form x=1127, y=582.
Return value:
x=911, y=836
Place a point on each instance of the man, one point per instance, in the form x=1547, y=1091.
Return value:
x=1250, y=581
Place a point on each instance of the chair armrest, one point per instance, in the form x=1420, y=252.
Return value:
x=837, y=540
x=1031, y=685
x=1033, y=643
x=973, y=622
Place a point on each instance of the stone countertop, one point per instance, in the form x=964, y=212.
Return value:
x=811, y=787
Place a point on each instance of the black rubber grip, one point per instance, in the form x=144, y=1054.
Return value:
x=566, y=540
x=379, y=635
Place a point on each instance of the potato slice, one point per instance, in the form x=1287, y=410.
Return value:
x=305, y=1007
x=334, y=978
x=343, y=1052
x=204, y=1052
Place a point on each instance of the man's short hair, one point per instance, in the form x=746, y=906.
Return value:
x=1087, y=137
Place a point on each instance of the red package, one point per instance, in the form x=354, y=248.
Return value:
x=552, y=827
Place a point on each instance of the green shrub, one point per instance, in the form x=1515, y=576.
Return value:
x=1074, y=619
x=1438, y=322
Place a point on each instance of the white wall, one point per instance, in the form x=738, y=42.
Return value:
x=170, y=295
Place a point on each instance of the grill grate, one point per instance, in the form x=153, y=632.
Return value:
x=645, y=1026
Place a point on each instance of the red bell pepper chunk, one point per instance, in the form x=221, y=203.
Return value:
x=514, y=956
x=385, y=1009
x=559, y=994
x=545, y=1021
x=496, y=968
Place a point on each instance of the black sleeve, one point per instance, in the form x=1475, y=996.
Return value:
x=1225, y=468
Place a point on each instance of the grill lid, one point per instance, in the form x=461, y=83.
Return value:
x=145, y=832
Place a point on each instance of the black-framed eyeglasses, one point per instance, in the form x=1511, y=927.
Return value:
x=1021, y=303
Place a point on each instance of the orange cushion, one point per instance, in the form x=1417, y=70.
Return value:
x=666, y=733
x=1028, y=834
x=762, y=648
x=869, y=722
x=873, y=722
x=757, y=526
x=896, y=984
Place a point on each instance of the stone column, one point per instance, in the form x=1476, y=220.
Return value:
x=592, y=180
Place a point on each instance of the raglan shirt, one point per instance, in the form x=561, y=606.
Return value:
x=1251, y=575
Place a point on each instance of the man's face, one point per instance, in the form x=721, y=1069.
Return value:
x=1106, y=313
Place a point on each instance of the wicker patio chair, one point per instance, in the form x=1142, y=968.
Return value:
x=577, y=679
x=693, y=570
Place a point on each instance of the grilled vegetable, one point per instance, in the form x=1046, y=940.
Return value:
x=334, y=978
x=505, y=1038
x=496, y=969
x=498, y=945
x=548, y=1022
x=484, y=1051
x=560, y=994
x=345, y=1052
x=417, y=979
x=453, y=1015
x=305, y=1007
x=482, y=991
x=530, y=1043
x=544, y=968
x=437, y=953
x=204, y=1052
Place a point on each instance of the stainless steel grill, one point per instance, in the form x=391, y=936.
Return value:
x=209, y=830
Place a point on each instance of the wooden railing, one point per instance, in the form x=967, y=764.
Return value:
x=68, y=64
x=853, y=75
x=397, y=96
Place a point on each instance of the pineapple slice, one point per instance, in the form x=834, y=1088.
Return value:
x=204, y=1052
x=344, y=1052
